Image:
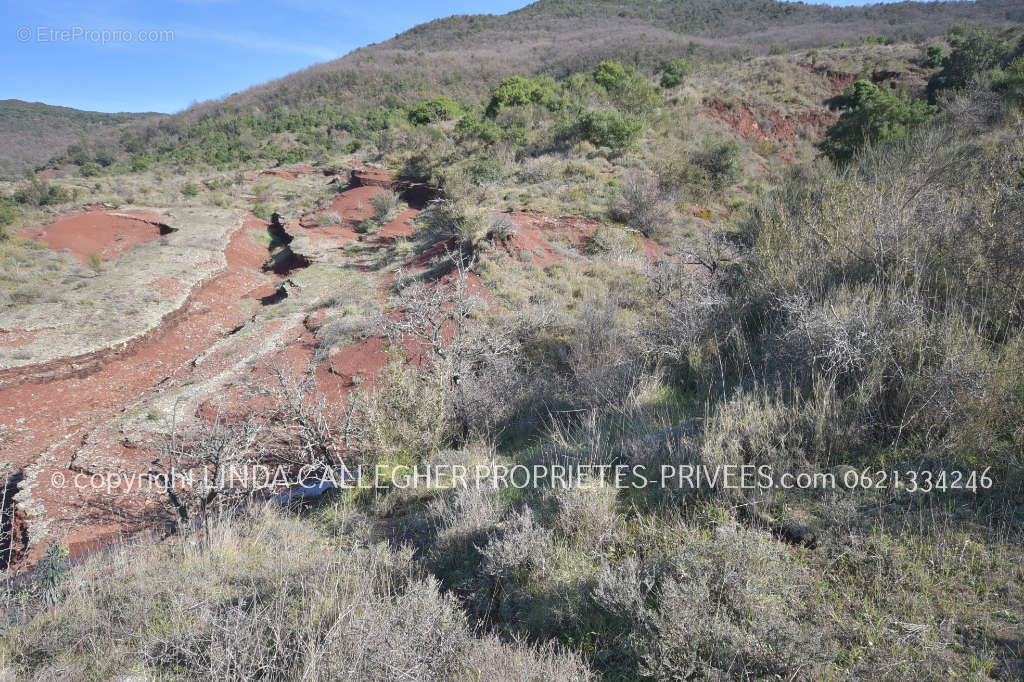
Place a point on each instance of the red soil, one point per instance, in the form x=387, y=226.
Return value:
x=68, y=425
x=105, y=234
x=64, y=411
x=290, y=173
x=16, y=338
x=760, y=124
x=539, y=236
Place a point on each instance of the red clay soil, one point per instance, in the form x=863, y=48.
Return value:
x=39, y=416
x=97, y=232
x=372, y=177
x=16, y=338
x=759, y=124
x=538, y=235
x=66, y=426
x=289, y=173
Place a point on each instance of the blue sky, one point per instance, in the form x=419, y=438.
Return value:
x=195, y=49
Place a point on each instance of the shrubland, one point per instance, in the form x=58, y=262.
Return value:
x=859, y=311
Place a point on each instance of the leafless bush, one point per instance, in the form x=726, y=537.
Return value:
x=642, y=206
x=467, y=358
x=604, y=365
x=519, y=547
x=385, y=206
x=725, y=607
x=266, y=596
x=207, y=468
x=502, y=228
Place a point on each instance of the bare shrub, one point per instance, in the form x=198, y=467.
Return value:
x=642, y=206
x=265, y=595
x=462, y=518
x=201, y=467
x=471, y=360
x=519, y=547
x=386, y=205
x=502, y=228
x=491, y=659
x=604, y=367
x=537, y=170
x=724, y=607
x=328, y=218
x=584, y=513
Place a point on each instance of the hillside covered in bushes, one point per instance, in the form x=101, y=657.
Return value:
x=805, y=265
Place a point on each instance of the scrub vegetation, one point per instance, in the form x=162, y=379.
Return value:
x=836, y=295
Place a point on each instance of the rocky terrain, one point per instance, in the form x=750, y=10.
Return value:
x=194, y=307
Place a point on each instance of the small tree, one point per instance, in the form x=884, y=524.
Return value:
x=673, y=73
x=933, y=55
x=721, y=162
x=610, y=128
x=627, y=88
x=436, y=109
x=872, y=116
x=974, y=53
x=1011, y=81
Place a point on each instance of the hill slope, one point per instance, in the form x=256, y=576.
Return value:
x=32, y=132
x=559, y=37
x=462, y=57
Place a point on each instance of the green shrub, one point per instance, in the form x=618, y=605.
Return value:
x=386, y=205
x=1011, y=81
x=472, y=126
x=139, y=163
x=674, y=73
x=610, y=75
x=190, y=189
x=627, y=88
x=436, y=109
x=721, y=162
x=974, y=53
x=7, y=215
x=485, y=171
x=611, y=128
x=933, y=55
x=872, y=116
x=39, y=192
x=263, y=211
x=520, y=91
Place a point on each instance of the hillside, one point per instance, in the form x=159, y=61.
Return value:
x=558, y=37
x=463, y=56
x=438, y=365
x=32, y=132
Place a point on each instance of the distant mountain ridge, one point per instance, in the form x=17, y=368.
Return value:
x=32, y=132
